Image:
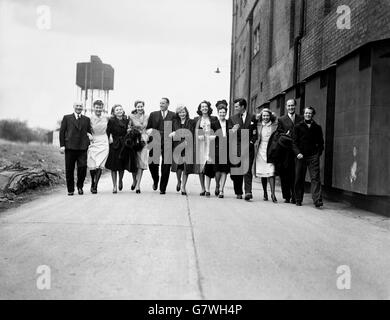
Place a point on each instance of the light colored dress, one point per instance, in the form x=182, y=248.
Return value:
x=264, y=169
x=204, y=145
x=140, y=122
x=99, y=148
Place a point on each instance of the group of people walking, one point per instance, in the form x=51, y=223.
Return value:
x=244, y=146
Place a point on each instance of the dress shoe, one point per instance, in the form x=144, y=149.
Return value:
x=120, y=185
x=217, y=192
x=265, y=196
x=319, y=204
x=202, y=194
x=248, y=197
x=183, y=193
x=293, y=201
x=70, y=194
x=239, y=197
x=115, y=191
x=287, y=201
x=162, y=192
x=155, y=186
x=221, y=195
x=274, y=200
x=299, y=204
x=80, y=191
x=138, y=191
x=208, y=194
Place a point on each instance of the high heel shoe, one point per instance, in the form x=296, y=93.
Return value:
x=178, y=187
x=217, y=192
x=133, y=186
x=114, y=190
x=265, y=196
x=183, y=193
x=221, y=195
x=208, y=194
x=274, y=200
x=138, y=191
x=202, y=194
x=120, y=185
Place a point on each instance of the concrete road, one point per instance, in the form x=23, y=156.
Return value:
x=149, y=246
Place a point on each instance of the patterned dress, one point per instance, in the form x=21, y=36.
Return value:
x=139, y=122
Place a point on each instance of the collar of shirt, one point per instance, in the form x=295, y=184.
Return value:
x=164, y=113
x=292, y=117
x=243, y=116
x=77, y=116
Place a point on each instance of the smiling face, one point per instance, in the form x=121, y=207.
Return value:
x=98, y=109
x=204, y=108
x=222, y=114
x=78, y=108
x=308, y=115
x=164, y=105
x=266, y=117
x=238, y=108
x=182, y=114
x=140, y=108
x=118, y=111
x=290, y=106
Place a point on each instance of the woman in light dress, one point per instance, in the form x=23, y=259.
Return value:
x=204, y=157
x=99, y=146
x=263, y=166
x=139, y=121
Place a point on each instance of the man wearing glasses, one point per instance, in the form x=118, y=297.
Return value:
x=74, y=142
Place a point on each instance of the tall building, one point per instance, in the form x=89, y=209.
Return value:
x=333, y=55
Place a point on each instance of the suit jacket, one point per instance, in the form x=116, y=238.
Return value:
x=73, y=132
x=250, y=124
x=156, y=122
x=308, y=141
x=287, y=125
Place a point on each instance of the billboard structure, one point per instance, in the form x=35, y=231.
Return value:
x=95, y=80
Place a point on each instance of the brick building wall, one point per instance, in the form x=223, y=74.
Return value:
x=344, y=73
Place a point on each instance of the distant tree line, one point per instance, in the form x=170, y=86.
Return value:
x=16, y=130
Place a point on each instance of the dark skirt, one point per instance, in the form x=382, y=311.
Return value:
x=209, y=170
x=117, y=160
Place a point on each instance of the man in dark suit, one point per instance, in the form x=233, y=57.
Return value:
x=241, y=121
x=156, y=122
x=287, y=168
x=308, y=146
x=74, y=142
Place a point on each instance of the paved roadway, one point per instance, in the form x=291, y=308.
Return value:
x=148, y=246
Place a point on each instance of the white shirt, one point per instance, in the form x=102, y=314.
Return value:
x=77, y=115
x=164, y=113
x=243, y=116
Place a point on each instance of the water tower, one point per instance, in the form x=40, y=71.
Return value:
x=95, y=80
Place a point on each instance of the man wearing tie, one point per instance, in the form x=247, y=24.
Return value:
x=156, y=121
x=243, y=121
x=74, y=142
x=287, y=169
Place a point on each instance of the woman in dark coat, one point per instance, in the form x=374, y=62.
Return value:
x=221, y=128
x=118, y=157
x=180, y=165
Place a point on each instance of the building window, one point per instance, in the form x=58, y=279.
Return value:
x=256, y=40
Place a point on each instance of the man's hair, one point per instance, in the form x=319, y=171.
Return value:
x=242, y=102
x=312, y=109
x=292, y=99
x=166, y=99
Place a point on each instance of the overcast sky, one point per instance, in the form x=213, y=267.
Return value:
x=157, y=48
